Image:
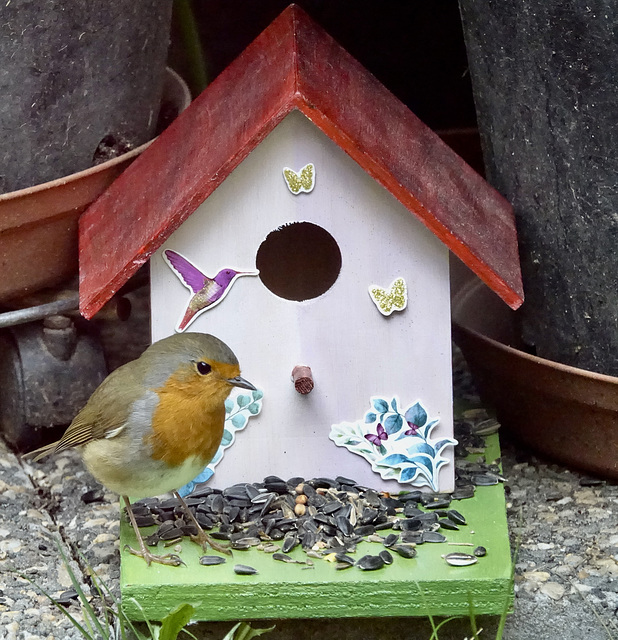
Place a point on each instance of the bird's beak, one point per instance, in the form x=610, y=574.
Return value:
x=238, y=381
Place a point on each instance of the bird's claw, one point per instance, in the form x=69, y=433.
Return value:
x=204, y=540
x=169, y=559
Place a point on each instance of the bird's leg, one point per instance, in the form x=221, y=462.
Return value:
x=201, y=538
x=170, y=559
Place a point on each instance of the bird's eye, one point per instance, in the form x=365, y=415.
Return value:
x=203, y=368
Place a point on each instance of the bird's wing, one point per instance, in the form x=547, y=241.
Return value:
x=187, y=272
x=104, y=415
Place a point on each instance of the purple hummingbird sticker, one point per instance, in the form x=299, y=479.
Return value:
x=205, y=292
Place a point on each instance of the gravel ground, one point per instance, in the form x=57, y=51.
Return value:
x=564, y=525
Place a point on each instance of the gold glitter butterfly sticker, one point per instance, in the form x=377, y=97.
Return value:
x=395, y=299
x=302, y=181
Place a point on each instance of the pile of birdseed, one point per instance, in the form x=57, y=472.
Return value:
x=329, y=517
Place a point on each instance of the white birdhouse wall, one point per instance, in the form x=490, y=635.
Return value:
x=355, y=352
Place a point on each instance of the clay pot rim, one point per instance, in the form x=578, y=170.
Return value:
x=171, y=76
x=565, y=368
x=468, y=290
x=564, y=412
x=58, y=182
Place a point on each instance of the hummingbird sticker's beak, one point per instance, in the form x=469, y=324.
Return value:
x=238, y=381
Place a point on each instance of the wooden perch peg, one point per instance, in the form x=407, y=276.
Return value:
x=302, y=379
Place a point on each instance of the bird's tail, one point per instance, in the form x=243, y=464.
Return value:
x=41, y=452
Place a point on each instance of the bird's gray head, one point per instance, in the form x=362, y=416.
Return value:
x=164, y=357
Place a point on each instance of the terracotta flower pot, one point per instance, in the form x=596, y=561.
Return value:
x=38, y=225
x=566, y=413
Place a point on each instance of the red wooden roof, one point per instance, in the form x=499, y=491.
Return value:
x=294, y=64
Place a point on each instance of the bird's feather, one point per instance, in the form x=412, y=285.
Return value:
x=95, y=421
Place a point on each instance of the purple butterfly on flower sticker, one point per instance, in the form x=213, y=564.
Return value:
x=412, y=430
x=376, y=439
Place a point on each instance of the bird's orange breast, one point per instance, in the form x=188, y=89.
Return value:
x=188, y=422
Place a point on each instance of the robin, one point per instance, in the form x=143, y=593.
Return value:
x=154, y=424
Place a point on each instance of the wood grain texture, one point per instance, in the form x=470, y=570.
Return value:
x=294, y=64
x=289, y=591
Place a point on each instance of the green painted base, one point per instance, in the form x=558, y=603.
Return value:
x=417, y=587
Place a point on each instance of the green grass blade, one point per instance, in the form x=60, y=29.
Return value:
x=90, y=614
x=103, y=592
x=507, y=600
x=472, y=616
x=441, y=624
x=118, y=614
x=194, y=52
x=138, y=634
x=244, y=631
x=434, y=633
x=230, y=634
x=174, y=621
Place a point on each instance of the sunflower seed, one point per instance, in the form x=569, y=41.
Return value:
x=410, y=509
x=427, y=517
x=412, y=496
x=486, y=427
x=370, y=563
x=282, y=557
x=66, y=597
x=244, y=570
x=171, y=533
x=456, y=517
x=386, y=556
x=365, y=530
x=433, y=536
x=289, y=542
x=331, y=507
x=144, y=520
x=412, y=537
x=463, y=492
x=390, y=539
x=404, y=550
x=460, y=559
x=342, y=557
x=219, y=535
x=344, y=525
x=412, y=524
x=441, y=502
x=152, y=540
x=485, y=480
x=211, y=560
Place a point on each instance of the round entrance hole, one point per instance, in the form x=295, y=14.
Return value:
x=299, y=261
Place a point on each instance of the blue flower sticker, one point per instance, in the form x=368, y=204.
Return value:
x=398, y=444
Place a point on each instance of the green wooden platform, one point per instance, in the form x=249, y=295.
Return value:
x=417, y=587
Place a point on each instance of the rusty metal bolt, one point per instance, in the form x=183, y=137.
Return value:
x=59, y=336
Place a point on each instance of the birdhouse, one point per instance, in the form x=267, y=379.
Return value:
x=301, y=213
